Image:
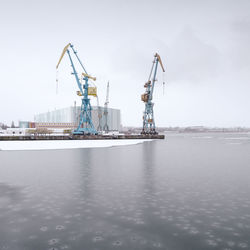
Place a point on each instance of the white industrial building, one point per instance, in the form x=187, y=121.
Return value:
x=69, y=117
x=13, y=132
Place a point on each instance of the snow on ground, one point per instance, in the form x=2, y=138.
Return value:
x=65, y=144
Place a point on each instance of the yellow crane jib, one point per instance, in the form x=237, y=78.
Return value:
x=90, y=77
x=159, y=59
x=64, y=51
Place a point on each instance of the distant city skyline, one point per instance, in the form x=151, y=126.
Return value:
x=204, y=46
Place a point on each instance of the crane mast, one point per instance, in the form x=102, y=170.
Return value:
x=99, y=127
x=147, y=97
x=85, y=125
x=106, y=127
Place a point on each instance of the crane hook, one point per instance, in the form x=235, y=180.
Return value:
x=56, y=81
x=163, y=82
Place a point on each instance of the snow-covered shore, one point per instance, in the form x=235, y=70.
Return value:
x=65, y=144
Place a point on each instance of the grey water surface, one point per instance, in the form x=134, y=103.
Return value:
x=188, y=192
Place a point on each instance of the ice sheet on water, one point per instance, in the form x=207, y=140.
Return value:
x=65, y=144
x=237, y=138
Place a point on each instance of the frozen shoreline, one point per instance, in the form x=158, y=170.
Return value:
x=65, y=144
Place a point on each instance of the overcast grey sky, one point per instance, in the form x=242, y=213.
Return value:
x=204, y=45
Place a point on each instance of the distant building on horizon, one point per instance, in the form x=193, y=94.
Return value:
x=26, y=124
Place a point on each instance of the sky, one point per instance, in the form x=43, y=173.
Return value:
x=204, y=46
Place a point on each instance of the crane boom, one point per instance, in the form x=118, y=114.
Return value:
x=72, y=47
x=64, y=51
x=159, y=59
x=75, y=73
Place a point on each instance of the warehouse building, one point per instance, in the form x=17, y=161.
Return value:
x=69, y=118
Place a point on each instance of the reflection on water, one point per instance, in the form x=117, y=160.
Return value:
x=186, y=192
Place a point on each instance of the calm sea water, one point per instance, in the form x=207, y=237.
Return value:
x=190, y=191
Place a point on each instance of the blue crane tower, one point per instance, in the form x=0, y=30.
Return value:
x=148, y=114
x=85, y=125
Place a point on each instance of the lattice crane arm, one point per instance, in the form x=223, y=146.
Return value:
x=75, y=74
x=156, y=61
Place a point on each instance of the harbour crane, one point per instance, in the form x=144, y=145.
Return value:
x=85, y=125
x=106, y=127
x=99, y=127
x=148, y=114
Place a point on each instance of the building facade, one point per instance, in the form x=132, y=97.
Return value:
x=69, y=118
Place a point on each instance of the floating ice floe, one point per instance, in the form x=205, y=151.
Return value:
x=65, y=144
x=236, y=138
x=202, y=137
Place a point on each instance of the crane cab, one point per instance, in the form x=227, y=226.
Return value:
x=144, y=97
